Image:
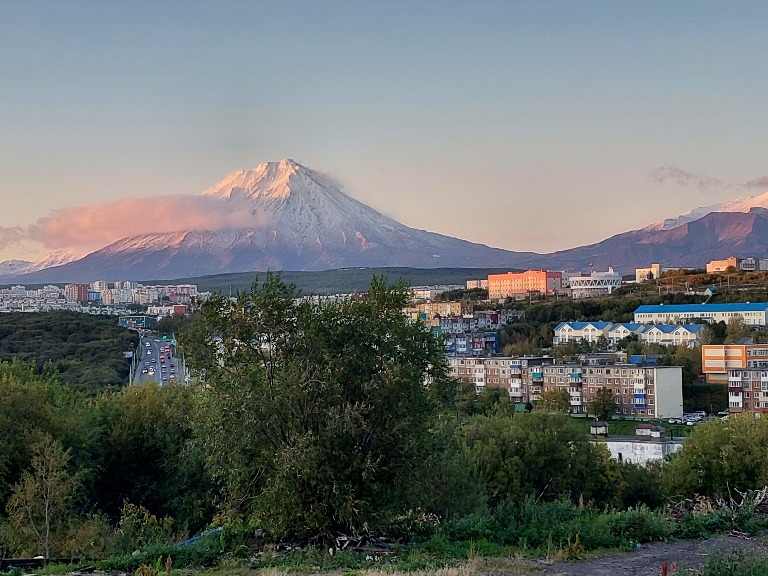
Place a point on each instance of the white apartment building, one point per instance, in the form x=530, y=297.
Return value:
x=666, y=334
x=754, y=314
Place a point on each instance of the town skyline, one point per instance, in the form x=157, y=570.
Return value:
x=623, y=116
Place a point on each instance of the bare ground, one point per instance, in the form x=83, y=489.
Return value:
x=688, y=556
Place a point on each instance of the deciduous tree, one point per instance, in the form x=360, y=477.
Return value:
x=318, y=417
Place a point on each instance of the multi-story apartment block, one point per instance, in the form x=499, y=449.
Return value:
x=643, y=391
x=718, y=359
x=521, y=377
x=596, y=284
x=638, y=390
x=76, y=292
x=748, y=390
x=753, y=314
x=471, y=344
x=522, y=283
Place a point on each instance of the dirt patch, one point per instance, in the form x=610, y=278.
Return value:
x=647, y=561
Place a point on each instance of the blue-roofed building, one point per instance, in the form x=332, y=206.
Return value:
x=671, y=334
x=622, y=330
x=754, y=314
x=577, y=331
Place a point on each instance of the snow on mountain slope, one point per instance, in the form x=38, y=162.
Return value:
x=298, y=220
x=11, y=268
x=743, y=204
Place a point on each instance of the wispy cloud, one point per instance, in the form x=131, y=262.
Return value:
x=672, y=173
x=760, y=183
x=90, y=227
x=10, y=235
x=676, y=175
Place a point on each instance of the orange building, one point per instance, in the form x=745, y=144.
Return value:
x=718, y=359
x=521, y=283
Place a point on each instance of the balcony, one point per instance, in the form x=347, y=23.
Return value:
x=575, y=401
x=516, y=392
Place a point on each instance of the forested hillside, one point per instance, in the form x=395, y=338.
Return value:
x=85, y=350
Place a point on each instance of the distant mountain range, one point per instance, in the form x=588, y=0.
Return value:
x=302, y=221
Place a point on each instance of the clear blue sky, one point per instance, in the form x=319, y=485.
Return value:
x=529, y=125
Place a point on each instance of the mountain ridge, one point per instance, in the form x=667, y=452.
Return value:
x=299, y=219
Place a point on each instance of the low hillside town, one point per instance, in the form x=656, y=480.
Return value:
x=641, y=388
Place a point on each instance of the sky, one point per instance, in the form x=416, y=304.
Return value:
x=532, y=126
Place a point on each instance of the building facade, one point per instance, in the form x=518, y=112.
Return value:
x=748, y=391
x=753, y=314
x=651, y=273
x=522, y=283
x=639, y=391
x=596, y=284
x=666, y=334
x=718, y=359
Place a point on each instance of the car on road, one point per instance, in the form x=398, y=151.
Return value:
x=162, y=357
x=154, y=360
x=146, y=363
x=144, y=371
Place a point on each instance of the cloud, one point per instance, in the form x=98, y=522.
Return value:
x=94, y=226
x=10, y=235
x=761, y=182
x=673, y=173
x=676, y=175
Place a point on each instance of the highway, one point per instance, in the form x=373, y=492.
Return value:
x=156, y=362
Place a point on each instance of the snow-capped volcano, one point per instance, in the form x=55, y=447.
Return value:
x=743, y=204
x=291, y=203
x=294, y=219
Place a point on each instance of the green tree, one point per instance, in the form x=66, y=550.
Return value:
x=543, y=456
x=319, y=418
x=603, y=406
x=41, y=502
x=721, y=456
x=554, y=401
x=145, y=455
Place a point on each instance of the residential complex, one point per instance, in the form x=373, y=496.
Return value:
x=99, y=297
x=666, y=334
x=754, y=314
x=642, y=391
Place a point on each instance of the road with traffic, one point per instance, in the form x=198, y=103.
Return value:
x=157, y=362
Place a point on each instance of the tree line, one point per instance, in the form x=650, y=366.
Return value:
x=308, y=420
